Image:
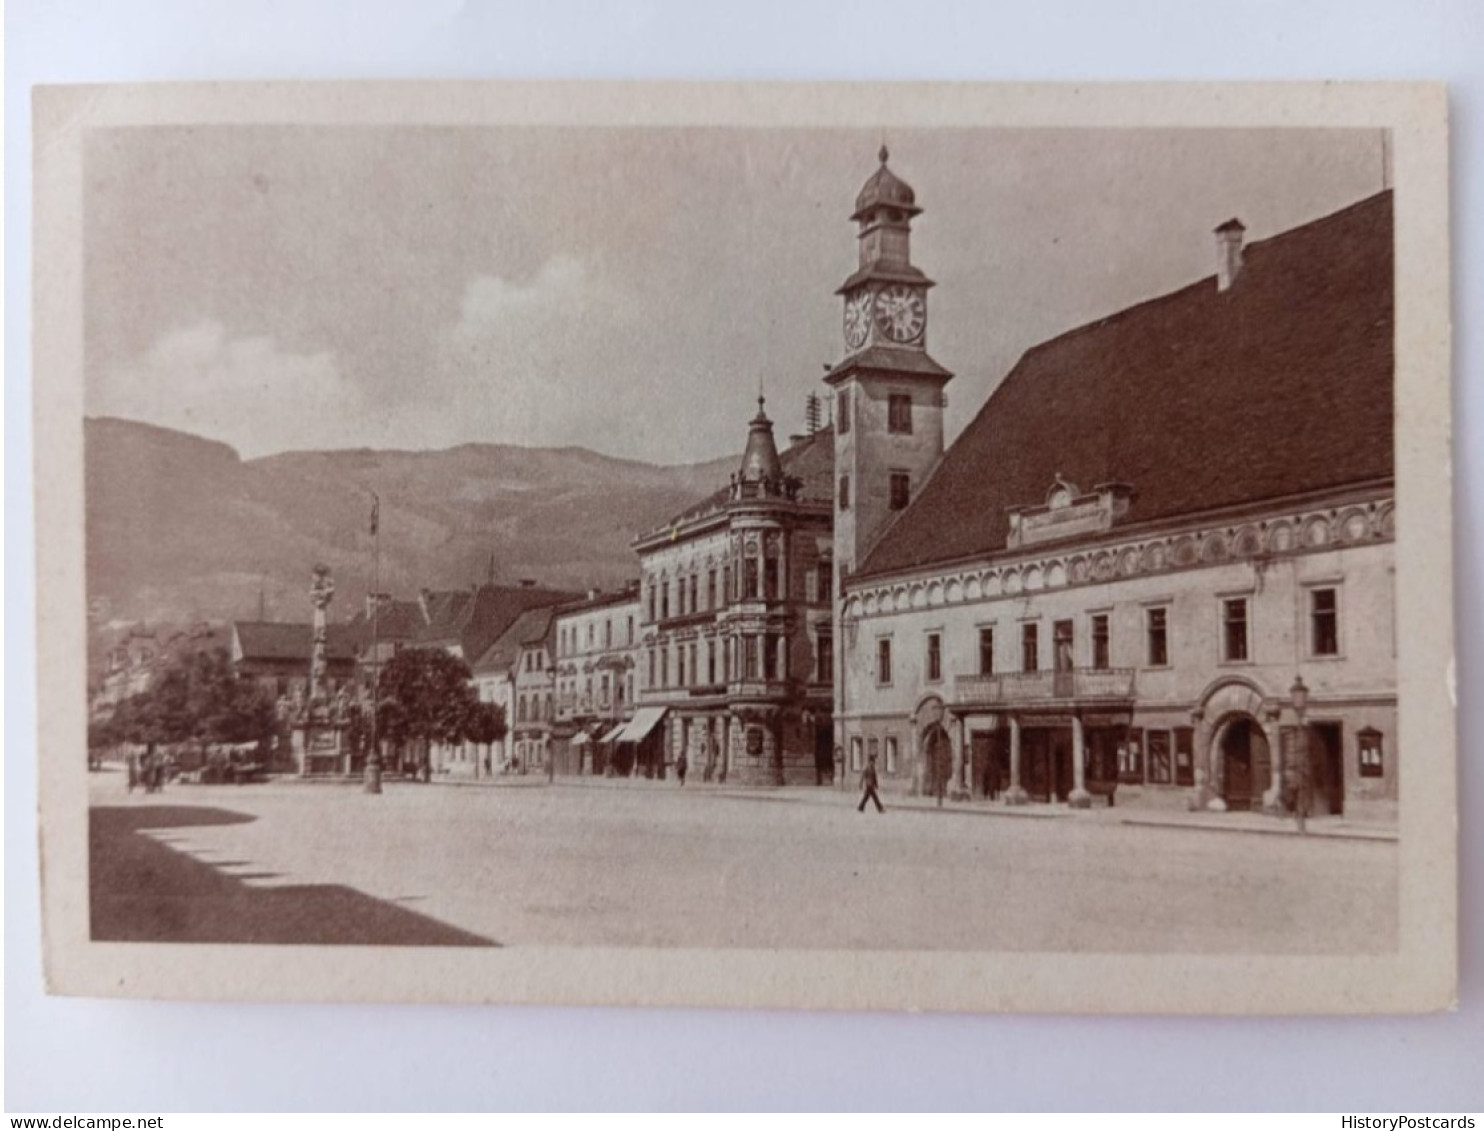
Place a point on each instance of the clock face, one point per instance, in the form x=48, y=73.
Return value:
x=857, y=319
x=901, y=313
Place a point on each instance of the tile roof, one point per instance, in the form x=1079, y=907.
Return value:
x=1199, y=399
x=395, y=620
x=478, y=620
x=273, y=640
x=531, y=627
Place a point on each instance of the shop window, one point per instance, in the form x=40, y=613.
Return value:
x=1324, y=622
x=1161, y=772
x=934, y=657
x=1131, y=756
x=986, y=651
x=844, y=492
x=883, y=661
x=1159, y=640
x=873, y=749
x=1234, y=630
x=891, y=753
x=1372, y=763
x=855, y=754
x=899, y=413
x=1184, y=756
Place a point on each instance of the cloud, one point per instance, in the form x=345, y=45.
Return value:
x=243, y=390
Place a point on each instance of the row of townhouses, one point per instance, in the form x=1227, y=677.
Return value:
x=1158, y=564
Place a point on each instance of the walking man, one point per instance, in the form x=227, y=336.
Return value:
x=681, y=765
x=868, y=787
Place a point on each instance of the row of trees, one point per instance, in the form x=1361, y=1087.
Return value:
x=425, y=696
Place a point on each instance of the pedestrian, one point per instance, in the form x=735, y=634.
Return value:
x=131, y=764
x=992, y=778
x=681, y=765
x=868, y=787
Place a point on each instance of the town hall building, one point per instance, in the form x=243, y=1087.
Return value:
x=1157, y=566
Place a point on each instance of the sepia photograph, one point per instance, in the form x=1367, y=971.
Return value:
x=943, y=547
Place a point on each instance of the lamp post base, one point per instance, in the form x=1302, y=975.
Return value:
x=373, y=778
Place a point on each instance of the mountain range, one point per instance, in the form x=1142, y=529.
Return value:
x=182, y=528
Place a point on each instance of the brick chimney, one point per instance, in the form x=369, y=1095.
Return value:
x=1229, y=253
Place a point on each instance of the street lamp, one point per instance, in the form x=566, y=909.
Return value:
x=1299, y=694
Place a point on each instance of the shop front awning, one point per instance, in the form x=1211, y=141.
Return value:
x=612, y=735
x=645, y=720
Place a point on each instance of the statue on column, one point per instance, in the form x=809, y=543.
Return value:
x=321, y=593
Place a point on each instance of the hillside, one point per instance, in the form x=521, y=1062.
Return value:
x=182, y=528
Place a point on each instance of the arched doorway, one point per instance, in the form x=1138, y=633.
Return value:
x=1246, y=763
x=937, y=759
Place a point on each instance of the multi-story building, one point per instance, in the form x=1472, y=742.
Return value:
x=517, y=674
x=735, y=630
x=596, y=644
x=1161, y=557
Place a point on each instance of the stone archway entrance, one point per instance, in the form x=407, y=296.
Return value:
x=1246, y=763
x=937, y=759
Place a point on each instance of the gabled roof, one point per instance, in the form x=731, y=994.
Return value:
x=531, y=628
x=395, y=620
x=478, y=620
x=273, y=640
x=1199, y=399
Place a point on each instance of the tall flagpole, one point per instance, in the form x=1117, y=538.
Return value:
x=373, y=760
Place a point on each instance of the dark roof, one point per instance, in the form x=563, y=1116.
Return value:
x=630, y=592
x=478, y=620
x=888, y=358
x=885, y=187
x=395, y=620
x=271, y=640
x=1199, y=399
x=531, y=627
x=811, y=460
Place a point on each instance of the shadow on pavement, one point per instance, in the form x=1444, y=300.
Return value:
x=142, y=891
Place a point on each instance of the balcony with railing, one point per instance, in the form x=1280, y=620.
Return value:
x=1021, y=689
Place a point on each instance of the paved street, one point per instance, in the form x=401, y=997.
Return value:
x=646, y=863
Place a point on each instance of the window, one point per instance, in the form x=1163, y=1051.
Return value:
x=855, y=754
x=1234, y=629
x=607, y=634
x=899, y=413
x=630, y=639
x=695, y=604
x=1371, y=761
x=771, y=591
x=664, y=600
x=749, y=566
x=823, y=576
x=1061, y=635
x=680, y=666
x=1185, y=756
x=695, y=670
x=726, y=584
x=842, y=398
x=1159, y=643
x=901, y=490
x=891, y=753
x=589, y=636
x=873, y=747
x=664, y=667
x=1131, y=756
x=650, y=609
x=1030, y=658
x=1159, y=757
x=844, y=492
x=712, y=599
x=883, y=661
x=749, y=657
x=651, y=667
x=1324, y=622
x=770, y=657
x=1100, y=642
x=934, y=657
x=986, y=651
x=824, y=658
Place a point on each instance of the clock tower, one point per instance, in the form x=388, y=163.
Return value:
x=889, y=395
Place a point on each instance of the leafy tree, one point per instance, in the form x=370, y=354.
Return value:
x=424, y=696
x=197, y=698
x=485, y=725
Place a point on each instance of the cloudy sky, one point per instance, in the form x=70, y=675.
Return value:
x=621, y=289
